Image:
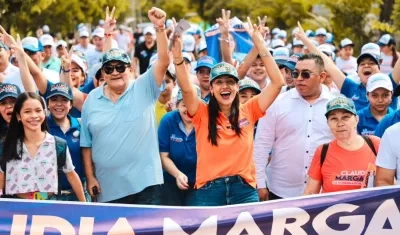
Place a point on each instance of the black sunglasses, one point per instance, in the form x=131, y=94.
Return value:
x=109, y=69
x=304, y=74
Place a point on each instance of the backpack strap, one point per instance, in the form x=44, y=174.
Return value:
x=323, y=153
x=370, y=144
x=61, y=151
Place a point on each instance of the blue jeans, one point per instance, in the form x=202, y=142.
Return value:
x=223, y=191
x=149, y=196
x=173, y=196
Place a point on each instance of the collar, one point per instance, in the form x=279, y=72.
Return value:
x=73, y=121
x=325, y=93
x=177, y=117
x=49, y=138
x=367, y=111
x=102, y=87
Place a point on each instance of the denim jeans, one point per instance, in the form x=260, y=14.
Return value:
x=148, y=196
x=223, y=191
x=173, y=196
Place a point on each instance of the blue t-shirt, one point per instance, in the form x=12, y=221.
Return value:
x=72, y=138
x=181, y=146
x=358, y=93
x=123, y=138
x=386, y=122
x=88, y=87
x=367, y=122
x=74, y=111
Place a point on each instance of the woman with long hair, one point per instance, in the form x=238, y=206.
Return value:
x=225, y=172
x=29, y=163
x=389, y=53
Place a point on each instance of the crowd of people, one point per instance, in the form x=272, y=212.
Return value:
x=174, y=126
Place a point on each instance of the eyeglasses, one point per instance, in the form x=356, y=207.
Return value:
x=303, y=74
x=109, y=69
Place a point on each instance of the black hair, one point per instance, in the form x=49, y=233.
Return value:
x=15, y=134
x=392, y=45
x=213, y=113
x=316, y=58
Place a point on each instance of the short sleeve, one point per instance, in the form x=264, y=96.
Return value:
x=68, y=167
x=164, y=134
x=201, y=112
x=86, y=137
x=147, y=85
x=386, y=158
x=137, y=51
x=253, y=109
x=349, y=87
x=49, y=84
x=382, y=126
x=315, y=168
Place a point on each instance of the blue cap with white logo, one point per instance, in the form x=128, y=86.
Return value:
x=9, y=90
x=205, y=61
x=61, y=89
x=224, y=68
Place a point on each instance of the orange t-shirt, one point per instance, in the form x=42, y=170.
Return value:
x=234, y=154
x=342, y=169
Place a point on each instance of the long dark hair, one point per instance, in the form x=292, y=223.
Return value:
x=15, y=134
x=395, y=56
x=213, y=113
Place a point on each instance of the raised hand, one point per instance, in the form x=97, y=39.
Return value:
x=263, y=29
x=176, y=45
x=66, y=59
x=17, y=46
x=224, y=22
x=109, y=23
x=157, y=17
x=7, y=38
x=300, y=34
x=255, y=34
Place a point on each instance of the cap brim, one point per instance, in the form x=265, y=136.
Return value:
x=280, y=62
x=60, y=94
x=381, y=44
x=116, y=60
x=351, y=44
x=341, y=108
x=362, y=56
x=249, y=87
x=203, y=66
x=30, y=48
x=9, y=95
x=222, y=74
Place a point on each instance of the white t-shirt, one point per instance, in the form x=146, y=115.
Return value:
x=348, y=66
x=16, y=78
x=79, y=47
x=10, y=71
x=386, y=65
x=123, y=41
x=389, y=150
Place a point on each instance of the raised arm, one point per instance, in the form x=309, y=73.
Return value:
x=268, y=95
x=337, y=76
x=109, y=26
x=158, y=17
x=224, y=24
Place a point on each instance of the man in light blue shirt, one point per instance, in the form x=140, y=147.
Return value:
x=118, y=132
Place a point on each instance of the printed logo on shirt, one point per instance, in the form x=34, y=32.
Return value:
x=176, y=139
x=75, y=136
x=367, y=132
x=355, y=97
x=349, y=178
x=144, y=53
x=243, y=122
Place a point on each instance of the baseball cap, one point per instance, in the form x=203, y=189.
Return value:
x=386, y=39
x=101, y=22
x=292, y=61
x=321, y=31
x=370, y=50
x=79, y=61
x=340, y=102
x=282, y=34
x=326, y=49
x=32, y=44
x=47, y=40
x=169, y=23
x=116, y=54
x=310, y=33
x=9, y=90
x=295, y=30
x=188, y=43
x=61, y=43
x=171, y=71
x=2, y=45
x=60, y=89
x=247, y=82
x=205, y=61
x=275, y=43
x=329, y=37
x=297, y=43
x=99, y=32
x=83, y=33
x=179, y=96
x=186, y=56
x=281, y=55
x=149, y=30
x=46, y=29
x=275, y=31
x=223, y=68
x=346, y=42
x=379, y=80
x=202, y=46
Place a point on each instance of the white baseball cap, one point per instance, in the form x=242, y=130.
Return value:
x=275, y=31
x=385, y=40
x=47, y=40
x=282, y=34
x=346, y=42
x=275, y=43
x=379, y=80
x=187, y=56
x=188, y=43
x=321, y=31
x=99, y=32
x=46, y=29
x=372, y=50
x=79, y=61
x=281, y=55
x=149, y=30
x=297, y=43
x=326, y=49
x=83, y=33
x=295, y=30
x=61, y=43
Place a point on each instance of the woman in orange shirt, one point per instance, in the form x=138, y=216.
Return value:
x=347, y=157
x=225, y=173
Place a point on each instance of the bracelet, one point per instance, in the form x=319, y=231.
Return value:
x=263, y=55
x=183, y=60
x=224, y=39
x=65, y=71
x=107, y=34
x=178, y=58
x=160, y=30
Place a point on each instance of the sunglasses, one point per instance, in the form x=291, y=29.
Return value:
x=109, y=69
x=304, y=74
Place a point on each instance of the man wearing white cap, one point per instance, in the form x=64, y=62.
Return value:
x=60, y=45
x=346, y=62
x=49, y=61
x=321, y=36
x=276, y=43
x=297, y=46
x=84, y=45
x=94, y=56
x=146, y=49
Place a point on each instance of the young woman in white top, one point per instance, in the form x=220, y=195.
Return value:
x=29, y=159
x=389, y=53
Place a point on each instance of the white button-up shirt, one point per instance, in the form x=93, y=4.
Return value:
x=292, y=129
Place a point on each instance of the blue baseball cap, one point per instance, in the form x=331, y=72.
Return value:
x=60, y=89
x=9, y=90
x=247, y=82
x=205, y=61
x=32, y=44
x=223, y=68
x=292, y=61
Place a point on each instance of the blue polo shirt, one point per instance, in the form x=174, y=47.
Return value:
x=181, y=146
x=386, y=122
x=123, y=138
x=358, y=93
x=367, y=122
x=88, y=87
x=74, y=111
x=72, y=138
x=206, y=99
